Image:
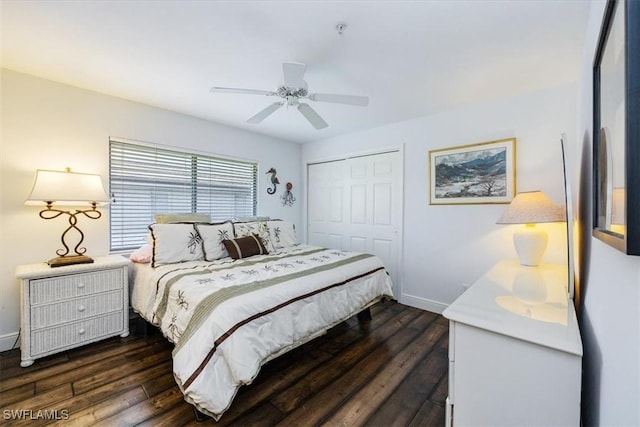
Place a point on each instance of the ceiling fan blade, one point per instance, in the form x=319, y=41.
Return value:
x=217, y=89
x=293, y=74
x=313, y=117
x=362, y=101
x=263, y=114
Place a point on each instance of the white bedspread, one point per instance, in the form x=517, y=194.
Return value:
x=227, y=318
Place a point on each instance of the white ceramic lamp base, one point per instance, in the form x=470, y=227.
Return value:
x=530, y=245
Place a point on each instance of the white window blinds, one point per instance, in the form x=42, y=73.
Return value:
x=145, y=180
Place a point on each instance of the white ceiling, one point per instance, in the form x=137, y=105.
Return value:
x=412, y=58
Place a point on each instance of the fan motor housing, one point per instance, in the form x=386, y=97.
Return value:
x=288, y=92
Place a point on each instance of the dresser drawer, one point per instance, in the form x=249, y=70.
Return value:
x=51, y=340
x=74, y=285
x=75, y=309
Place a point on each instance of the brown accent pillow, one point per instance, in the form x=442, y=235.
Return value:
x=244, y=247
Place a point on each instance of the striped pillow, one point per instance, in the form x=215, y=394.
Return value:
x=244, y=247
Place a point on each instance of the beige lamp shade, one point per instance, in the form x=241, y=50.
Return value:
x=531, y=207
x=66, y=188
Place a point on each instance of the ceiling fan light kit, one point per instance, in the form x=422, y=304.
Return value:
x=293, y=90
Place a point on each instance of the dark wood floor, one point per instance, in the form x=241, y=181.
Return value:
x=391, y=371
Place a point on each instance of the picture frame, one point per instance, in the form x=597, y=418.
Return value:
x=616, y=128
x=481, y=173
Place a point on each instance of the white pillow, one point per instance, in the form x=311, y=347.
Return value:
x=261, y=228
x=175, y=243
x=212, y=237
x=283, y=234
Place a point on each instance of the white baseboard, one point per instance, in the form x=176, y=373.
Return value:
x=8, y=340
x=423, y=303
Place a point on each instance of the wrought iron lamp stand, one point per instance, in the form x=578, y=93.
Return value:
x=63, y=257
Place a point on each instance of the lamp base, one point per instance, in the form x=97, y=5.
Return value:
x=530, y=245
x=69, y=260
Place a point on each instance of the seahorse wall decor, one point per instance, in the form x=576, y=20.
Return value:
x=274, y=181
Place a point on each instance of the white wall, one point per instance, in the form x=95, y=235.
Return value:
x=447, y=246
x=609, y=289
x=46, y=125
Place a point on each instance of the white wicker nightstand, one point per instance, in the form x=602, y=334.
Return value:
x=70, y=306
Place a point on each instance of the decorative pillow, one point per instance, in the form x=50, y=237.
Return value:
x=169, y=218
x=244, y=247
x=252, y=218
x=142, y=255
x=175, y=243
x=283, y=234
x=261, y=228
x=212, y=237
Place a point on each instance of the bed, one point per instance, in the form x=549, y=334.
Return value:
x=238, y=295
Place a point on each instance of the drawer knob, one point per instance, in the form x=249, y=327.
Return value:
x=81, y=331
x=81, y=308
x=80, y=285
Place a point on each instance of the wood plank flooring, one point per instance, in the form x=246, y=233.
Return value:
x=391, y=371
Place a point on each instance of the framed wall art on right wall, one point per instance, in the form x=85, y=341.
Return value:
x=616, y=128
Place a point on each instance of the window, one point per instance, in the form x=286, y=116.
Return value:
x=145, y=180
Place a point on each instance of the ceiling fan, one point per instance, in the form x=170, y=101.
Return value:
x=292, y=91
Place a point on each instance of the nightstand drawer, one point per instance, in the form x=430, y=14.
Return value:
x=75, y=309
x=74, y=285
x=53, y=339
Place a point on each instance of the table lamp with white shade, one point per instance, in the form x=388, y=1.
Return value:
x=530, y=208
x=66, y=188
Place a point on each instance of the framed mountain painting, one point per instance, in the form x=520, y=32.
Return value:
x=473, y=174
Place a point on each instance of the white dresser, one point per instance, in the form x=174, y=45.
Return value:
x=515, y=353
x=66, y=307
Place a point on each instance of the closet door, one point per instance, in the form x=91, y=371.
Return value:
x=355, y=204
x=326, y=223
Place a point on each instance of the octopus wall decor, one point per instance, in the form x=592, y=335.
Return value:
x=287, y=197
